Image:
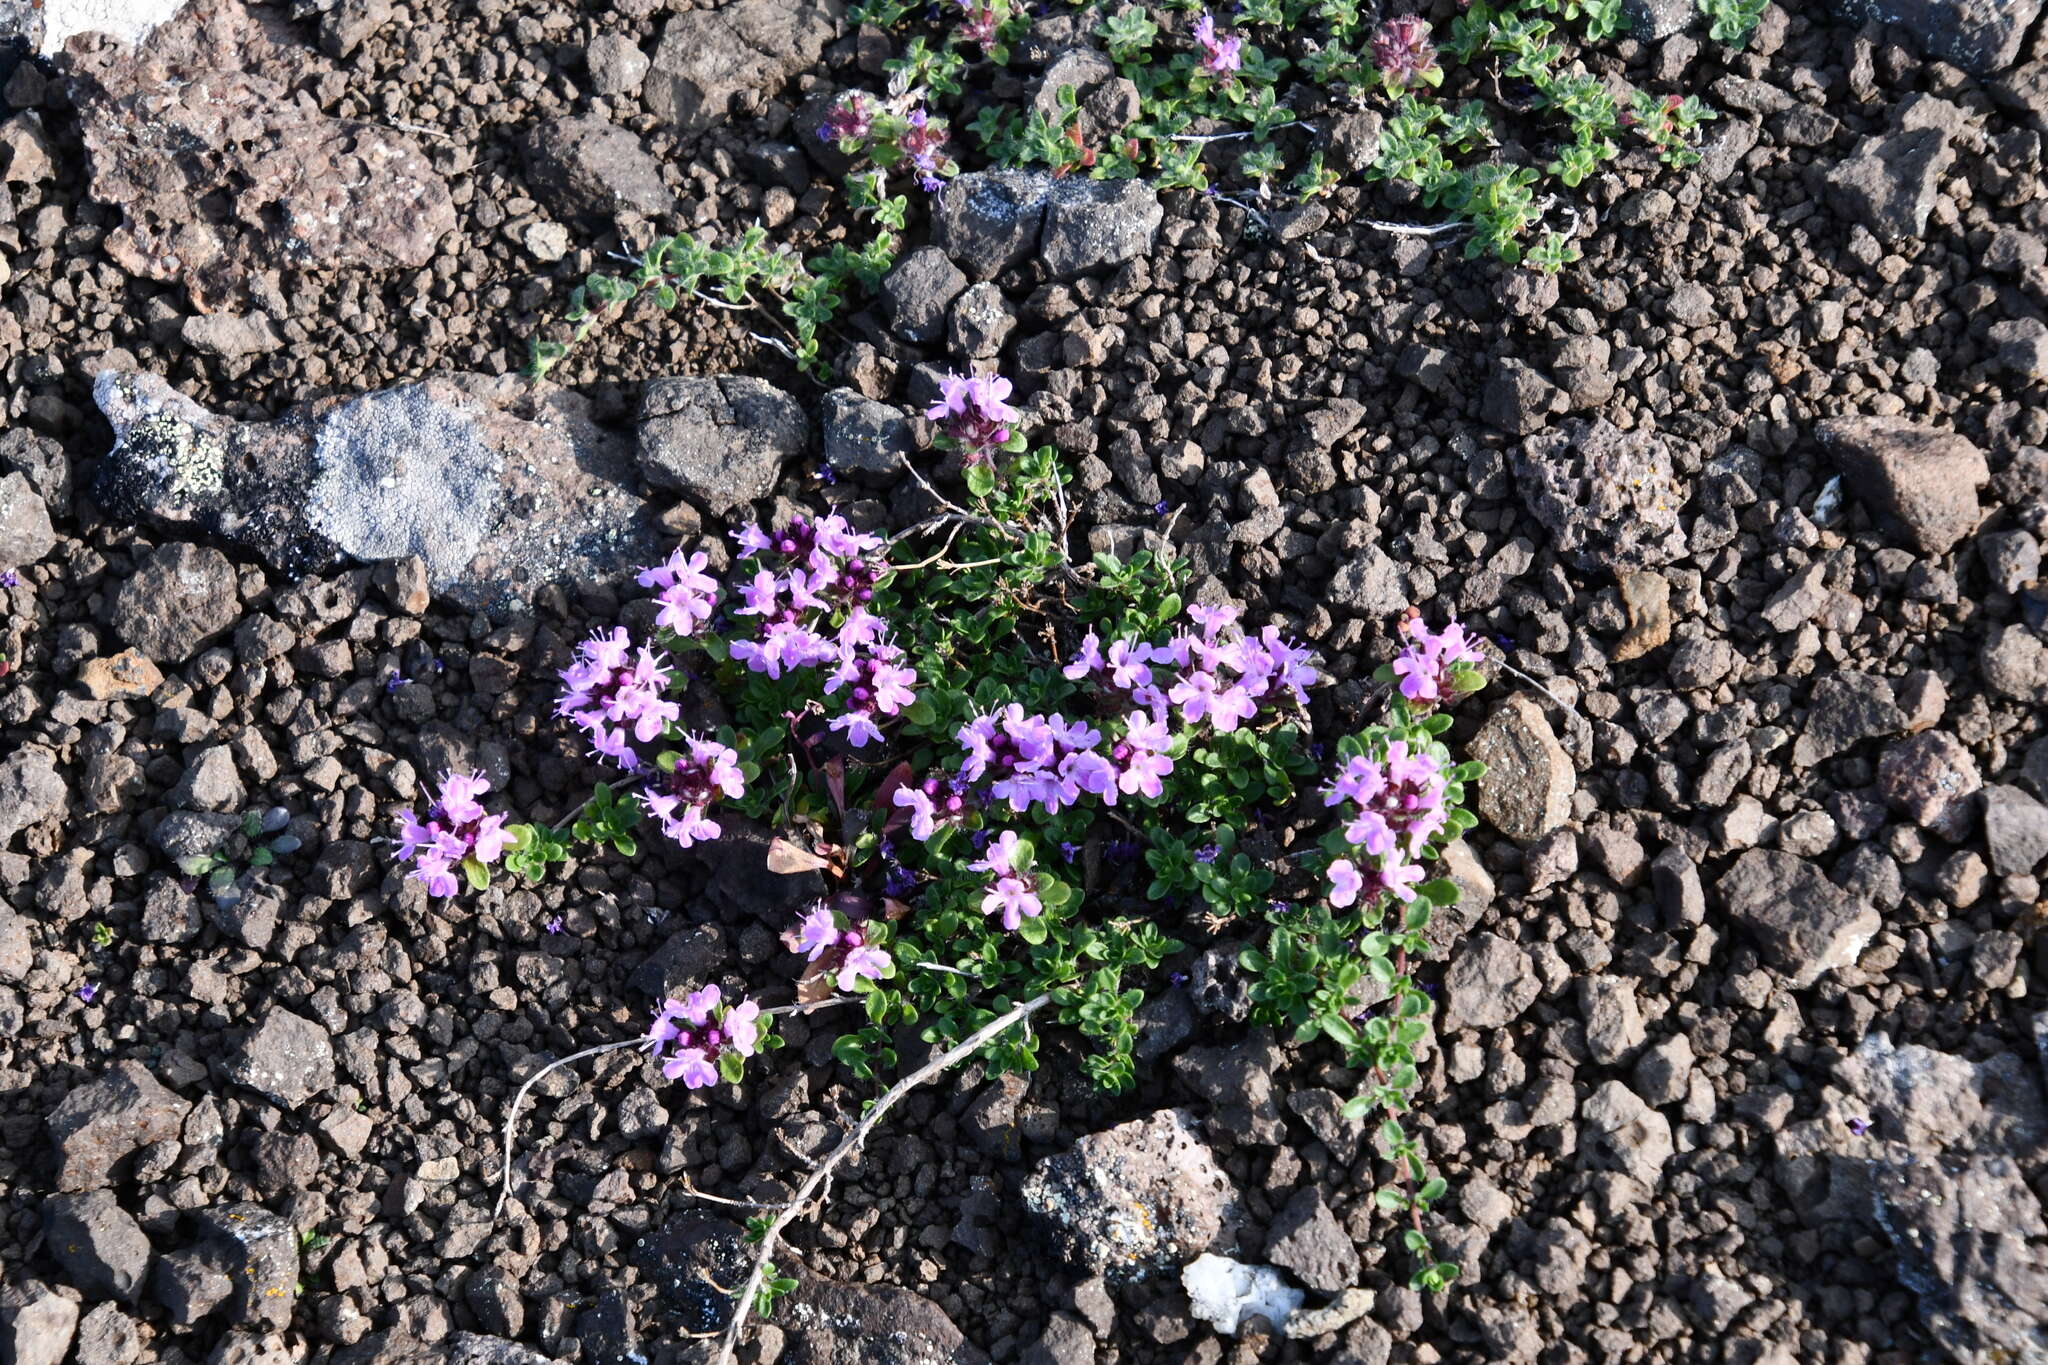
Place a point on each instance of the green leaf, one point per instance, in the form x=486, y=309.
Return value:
x=981, y=480
x=477, y=874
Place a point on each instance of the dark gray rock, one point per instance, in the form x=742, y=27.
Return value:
x=590, y=167
x=1092, y=225
x=1139, y=1198
x=1847, y=708
x=867, y=440
x=2015, y=831
x=181, y=598
x=617, y=66
x=720, y=441
x=101, y=1248
x=686, y=960
x=26, y=534
x=1980, y=36
x=981, y=322
x=1066, y=1340
x=1917, y=479
x=1619, y=1132
x=1517, y=398
x=259, y=1253
x=98, y=1124
x=42, y=462
x=1805, y=924
x=917, y=293
x=847, y=1324
x=1306, y=1239
x=1890, y=183
x=188, y=1285
x=1237, y=1082
x=287, y=1058
x=989, y=221
x=743, y=51
x=1489, y=983
x=1323, y=1111
x=31, y=791
x=1653, y=21
x=1969, y=1237
x=1609, y=498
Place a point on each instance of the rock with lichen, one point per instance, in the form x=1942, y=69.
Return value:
x=1610, y=498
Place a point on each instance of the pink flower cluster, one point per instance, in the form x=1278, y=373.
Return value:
x=1403, y=52
x=876, y=683
x=1013, y=892
x=1398, y=805
x=706, y=773
x=974, y=413
x=687, y=595
x=826, y=940
x=1221, y=56
x=617, y=695
x=923, y=142
x=931, y=803
x=849, y=120
x=697, y=1031
x=1222, y=676
x=1030, y=760
x=981, y=21
x=809, y=599
x=1430, y=662
x=457, y=828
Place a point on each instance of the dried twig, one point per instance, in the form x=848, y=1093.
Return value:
x=519, y=1096
x=817, y=1186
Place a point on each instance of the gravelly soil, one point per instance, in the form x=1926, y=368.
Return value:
x=1333, y=420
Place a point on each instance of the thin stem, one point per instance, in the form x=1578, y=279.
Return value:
x=1228, y=137
x=1415, y=229
x=817, y=1185
x=519, y=1096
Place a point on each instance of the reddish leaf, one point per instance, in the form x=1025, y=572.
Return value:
x=815, y=986
x=893, y=909
x=835, y=783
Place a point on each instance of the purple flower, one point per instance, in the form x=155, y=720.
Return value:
x=817, y=933
x=617, y=695
x=1222, y=56
x=1404, y=54
x=1859, y=1126
x=688, y=596
x=707, y=773
x=1345, y=883
x=697, y=1030
x=90, y=989
x=1429, y=666
x=849, y=120
x=457, y=831
x=9, y=579
x=875, y=683
x=395, y=681
x=974, y=413
x=555, y=925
